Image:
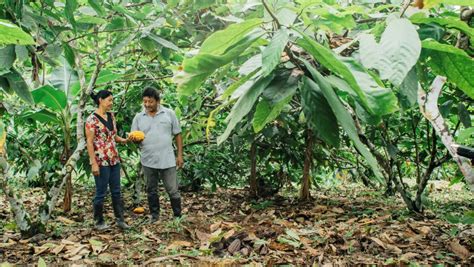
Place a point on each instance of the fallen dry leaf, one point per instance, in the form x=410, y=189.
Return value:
x=459, y=249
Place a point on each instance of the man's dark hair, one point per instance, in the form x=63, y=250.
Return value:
x=151, y=92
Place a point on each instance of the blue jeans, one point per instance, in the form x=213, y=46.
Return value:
x=109, y=176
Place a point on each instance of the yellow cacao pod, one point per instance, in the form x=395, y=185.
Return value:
x=139, y=210
x=137, y=136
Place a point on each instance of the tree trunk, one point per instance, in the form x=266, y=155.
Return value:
x=428, y=104
x=253, y=170
x=308, y=160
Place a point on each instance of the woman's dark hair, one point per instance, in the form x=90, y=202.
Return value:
x=151, y=92
x=102, y=94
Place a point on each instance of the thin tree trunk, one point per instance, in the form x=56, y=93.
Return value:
x=308, y=159
x=428, y=104
x=253, y=169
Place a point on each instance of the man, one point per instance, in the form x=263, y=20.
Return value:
x=157, y=156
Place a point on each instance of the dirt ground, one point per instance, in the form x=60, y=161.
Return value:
x=341, y=226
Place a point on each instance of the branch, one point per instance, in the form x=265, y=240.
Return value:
x=429, y=108
x=271, y=14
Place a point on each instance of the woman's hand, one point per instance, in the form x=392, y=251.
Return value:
x=95, y=169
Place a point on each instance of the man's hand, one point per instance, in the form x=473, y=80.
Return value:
x=95, y=169
x=179, y=162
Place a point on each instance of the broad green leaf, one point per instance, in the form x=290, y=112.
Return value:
x=433, y=3
x=329, y=60
x=231, y=89
x=7, y=57
x=5, y=85
x=452, y=62
x=432, y=30
x=51, y=97
x=118, y=47
x=71, y=6
x=69, y=54
x=90, y=20
x=281, y=87
x=272, y=53
x=21, y=53
x=381, y=100
x=409, y=90
x=218, y=42
x=63, y=77
x=464, y=115
x=43, y=116
x=106, y=76
x=445, y=22
x=397, y=52
x=198, y=68
x=243, y=106
x=267, y=112
x=345, y=119
x=318, y=113
x=18, y=85
x=163, y=42
x=97, y=6
x=12, y=34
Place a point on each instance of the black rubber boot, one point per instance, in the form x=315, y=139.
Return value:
x=99, y=217
x=176, y=206
x=118, y=212
x=154, y=205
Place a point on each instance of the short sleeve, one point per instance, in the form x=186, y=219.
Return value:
x=175, y=127
x=90, y=124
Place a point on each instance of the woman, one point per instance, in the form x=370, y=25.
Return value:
x=101, y=133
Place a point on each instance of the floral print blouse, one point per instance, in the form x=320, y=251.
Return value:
x=105, y=148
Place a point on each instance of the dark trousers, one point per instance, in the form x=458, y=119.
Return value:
x=170, y=181
x=109, y=177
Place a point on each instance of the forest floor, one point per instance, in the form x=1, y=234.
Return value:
x=341, y=226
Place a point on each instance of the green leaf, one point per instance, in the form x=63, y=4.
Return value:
x=447, y=22
x=452, y=62
x=218, y=42
x=7, y=57
x=97, y=6
x=465, y=135
x=198, y=68
x=236, y=85
x=118, y=47
x=86, y=19
x=71, y=6
x=19, y=86
x=21, y=52
x=318, y=113
x=345, y=119
x=69, y=54
x=433, y=3
x=267, y=112
x=63, y=77
x=106, y=76
x=272, y=53
x=12, y=34
x=163, y=42
x=41, y=262
x=244, y=105
x=281, y=87
x=464, y=115
x=51, y=97
x=43, y=116
x=329, y=60
x=409, y=90
x=381, y=100
x=397, y=52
